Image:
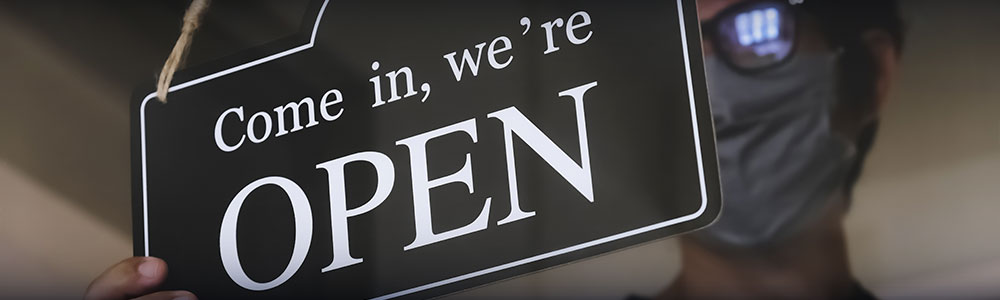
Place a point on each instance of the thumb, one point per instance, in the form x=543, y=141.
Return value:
x=129, y=278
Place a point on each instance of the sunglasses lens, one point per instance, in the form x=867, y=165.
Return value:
x=757, y=37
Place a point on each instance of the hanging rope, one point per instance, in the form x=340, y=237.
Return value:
x=192, y=19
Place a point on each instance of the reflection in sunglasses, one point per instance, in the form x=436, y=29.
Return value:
x=757, y=26
x=754, y=36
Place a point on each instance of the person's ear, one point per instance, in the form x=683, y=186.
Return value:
x=885, y=56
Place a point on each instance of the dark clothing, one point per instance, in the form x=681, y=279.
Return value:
x=858, y=292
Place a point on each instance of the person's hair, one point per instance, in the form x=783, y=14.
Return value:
x=844, y=23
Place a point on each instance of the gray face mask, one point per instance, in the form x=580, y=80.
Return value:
x=780, y=161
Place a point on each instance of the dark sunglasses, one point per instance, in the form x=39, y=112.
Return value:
x=753, y=36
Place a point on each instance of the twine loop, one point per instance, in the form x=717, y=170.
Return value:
x=192, y=19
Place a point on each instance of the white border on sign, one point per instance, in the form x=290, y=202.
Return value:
x=312, y=40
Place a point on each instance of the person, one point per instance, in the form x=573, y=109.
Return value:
x=796, y=89
x=134, y=278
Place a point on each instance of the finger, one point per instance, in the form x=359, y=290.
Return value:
x=129, y=278
x=169, y=295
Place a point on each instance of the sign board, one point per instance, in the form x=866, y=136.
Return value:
x=418, y=148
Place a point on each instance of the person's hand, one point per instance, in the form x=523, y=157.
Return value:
x=134, y=278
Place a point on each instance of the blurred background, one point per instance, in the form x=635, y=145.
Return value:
x=923, y=223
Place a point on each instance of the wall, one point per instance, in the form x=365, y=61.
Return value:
x=925, y=217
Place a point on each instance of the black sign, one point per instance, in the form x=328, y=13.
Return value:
x=415, y=148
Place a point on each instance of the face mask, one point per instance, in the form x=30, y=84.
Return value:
x=779, y=159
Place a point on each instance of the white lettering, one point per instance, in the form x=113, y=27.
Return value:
x=296, y=125
x=267, y=127
x=218, y=130
x=459, y=69
x=324, y=105
x=493, y=51
x=578, y=175
x=421, y=186
x=394, y=88
x=338, y=201
x=551, y=46
x=572, y=25
x=303, y=234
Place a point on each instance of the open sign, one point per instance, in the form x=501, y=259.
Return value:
x=327, y=167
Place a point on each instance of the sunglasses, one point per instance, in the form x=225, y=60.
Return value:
x=753, y=36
